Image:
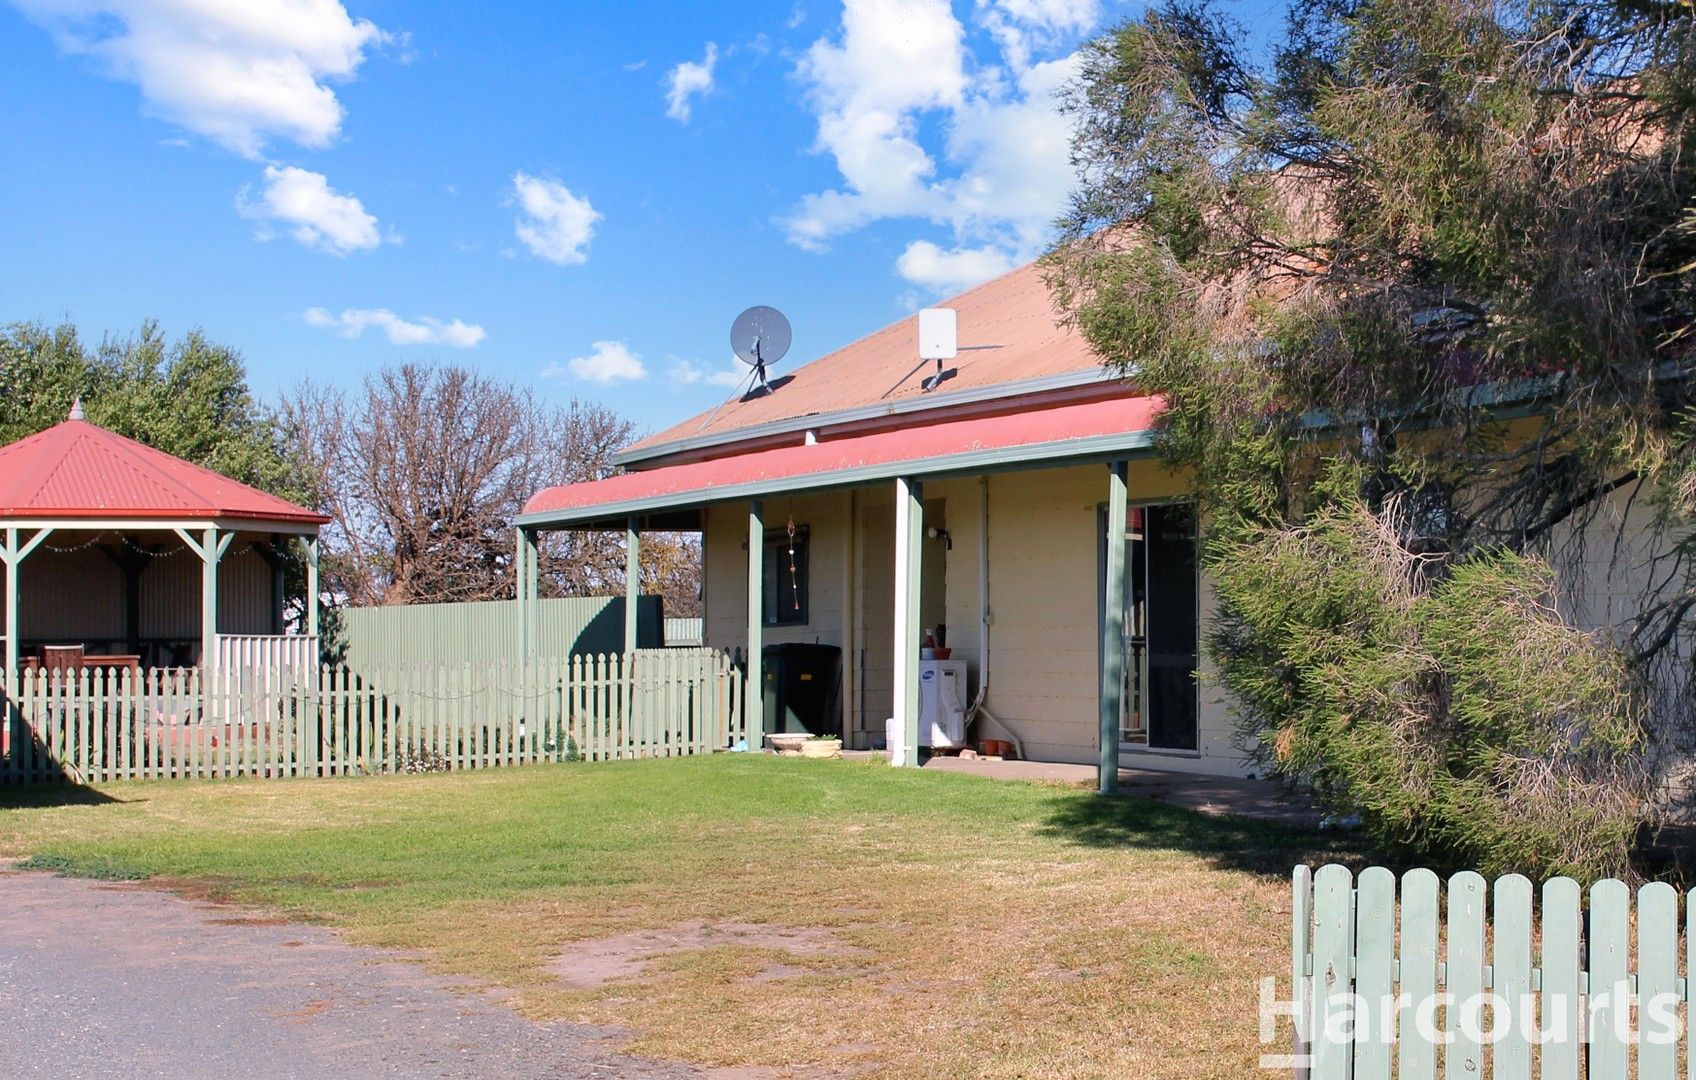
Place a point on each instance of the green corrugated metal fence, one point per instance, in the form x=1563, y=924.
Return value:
x=1525, y=982
x=103, y=725
x=386, y=637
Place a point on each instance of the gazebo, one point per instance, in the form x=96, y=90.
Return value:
x=128, y=554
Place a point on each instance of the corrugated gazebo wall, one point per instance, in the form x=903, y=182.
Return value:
x=77, y=595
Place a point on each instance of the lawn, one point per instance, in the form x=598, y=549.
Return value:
x=950, y=925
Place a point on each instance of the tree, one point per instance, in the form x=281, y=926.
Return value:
x=424, y=469
x=189, y=398
x=1423, y=278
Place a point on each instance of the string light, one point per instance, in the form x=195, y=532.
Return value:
x=71, y=550
x=123, y=538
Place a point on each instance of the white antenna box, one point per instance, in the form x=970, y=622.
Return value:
x=939, y=337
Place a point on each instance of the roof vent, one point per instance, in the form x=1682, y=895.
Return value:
x=76, y=410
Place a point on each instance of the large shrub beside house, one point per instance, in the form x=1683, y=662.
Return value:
x=1416, y=283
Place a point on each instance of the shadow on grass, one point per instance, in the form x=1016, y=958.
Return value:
x=1232, y=843
x=40, y=796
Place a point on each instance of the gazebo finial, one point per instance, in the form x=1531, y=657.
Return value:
x=76, y=410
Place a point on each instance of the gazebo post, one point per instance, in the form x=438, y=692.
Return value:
x=211, y=549
x=311, y=585
x=209, y=600
x=12, y=553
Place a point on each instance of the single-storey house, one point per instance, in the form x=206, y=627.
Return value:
x=1008, y=501
x=122, y=555
x=1017, y=500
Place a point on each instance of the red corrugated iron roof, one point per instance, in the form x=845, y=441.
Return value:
x=78, y=470
x=1010, y=324
x=1096, y=428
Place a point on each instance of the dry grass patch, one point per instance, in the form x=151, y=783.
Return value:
x=762, y=913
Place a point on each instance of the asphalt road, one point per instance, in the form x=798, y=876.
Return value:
x=114, y=981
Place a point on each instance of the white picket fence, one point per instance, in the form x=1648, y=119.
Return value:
x=267, y=655
x=1495, y=979
x=99, y=726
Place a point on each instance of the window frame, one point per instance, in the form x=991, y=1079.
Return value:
x=773, y=568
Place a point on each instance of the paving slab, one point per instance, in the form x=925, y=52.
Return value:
x=1263, y=799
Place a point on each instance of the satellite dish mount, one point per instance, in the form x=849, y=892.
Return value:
x=760, y=336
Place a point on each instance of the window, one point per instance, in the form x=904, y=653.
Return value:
x=785, y=578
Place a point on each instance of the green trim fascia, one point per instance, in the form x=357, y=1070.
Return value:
x=1130, y=445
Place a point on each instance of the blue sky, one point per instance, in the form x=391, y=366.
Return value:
x=577, y=197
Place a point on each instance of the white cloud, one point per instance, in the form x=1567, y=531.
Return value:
x=553, y=223
x=920, y=128
x=687, y=81
x=1015, y=159
x=734, y=375
x=895, y=60
x=314, y=213
x=421, y=331
x=608, y=362
x=923, y=263
x=238, y=73
x=1023, y=26
x=690, y=373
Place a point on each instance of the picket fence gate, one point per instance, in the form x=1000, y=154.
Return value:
x=1519, y=982
x=103, y=725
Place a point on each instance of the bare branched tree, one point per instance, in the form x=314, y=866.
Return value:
x=425, y=467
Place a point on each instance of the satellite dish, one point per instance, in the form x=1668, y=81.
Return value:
x=758, y=337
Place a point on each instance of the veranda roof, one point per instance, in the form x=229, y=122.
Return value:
x=1096, y=430
x=79, y=471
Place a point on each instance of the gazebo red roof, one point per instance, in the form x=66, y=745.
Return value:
x=77, y=470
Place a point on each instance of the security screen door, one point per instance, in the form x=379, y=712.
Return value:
x=1162, y=626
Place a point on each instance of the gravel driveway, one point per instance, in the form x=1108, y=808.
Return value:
x=104, y=980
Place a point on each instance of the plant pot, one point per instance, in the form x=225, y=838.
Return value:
x=787, y=743
x=822, y=748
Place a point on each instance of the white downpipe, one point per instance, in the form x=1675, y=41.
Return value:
x=986, y=619
x=984, y=616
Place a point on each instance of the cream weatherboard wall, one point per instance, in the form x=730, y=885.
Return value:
x=850, y=600
x=1044, y=593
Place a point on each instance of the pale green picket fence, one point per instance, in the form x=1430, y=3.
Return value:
x=99, y=726
x=1487, y=979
